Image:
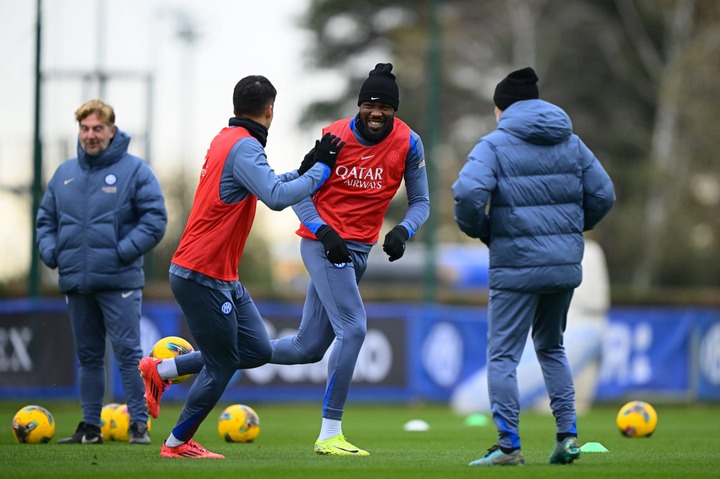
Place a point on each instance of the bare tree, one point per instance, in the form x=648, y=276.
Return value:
x=669, y=172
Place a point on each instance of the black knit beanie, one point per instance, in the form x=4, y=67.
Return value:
x=517, y=86
x=380, y=87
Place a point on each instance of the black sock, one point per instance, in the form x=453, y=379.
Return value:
x=508, y=450
x=561, y=436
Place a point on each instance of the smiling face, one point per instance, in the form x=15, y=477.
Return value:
x=376, y=118
x=95, y=135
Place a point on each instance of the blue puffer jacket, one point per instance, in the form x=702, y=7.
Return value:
x=98, y=216
x=529, y=189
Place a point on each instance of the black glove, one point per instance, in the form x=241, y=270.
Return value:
x=327, y=149
x=394, y=244
x=335, y=248
x=308, y=161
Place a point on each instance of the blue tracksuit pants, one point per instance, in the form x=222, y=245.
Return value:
x=230, y=332
x=115, y=314
x=333, y=311
x=511, y=315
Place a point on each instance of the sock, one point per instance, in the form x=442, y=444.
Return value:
x=330, y=428
x=508, y=450
x=172, y=441
x=167, y=369
x=561, y=436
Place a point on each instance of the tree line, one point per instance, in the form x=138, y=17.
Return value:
x=637, y=77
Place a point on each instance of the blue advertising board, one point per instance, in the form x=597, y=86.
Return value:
x=411, y=352
x=646, y=351
x=707, y=341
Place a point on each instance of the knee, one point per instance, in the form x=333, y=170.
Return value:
x=545, y=348
x=355, y=332
x=217, y=380
x=261, y=354
x=300, y=349
x=89, y=356
x=303, y=354
x=311, y=356
x=265, y=353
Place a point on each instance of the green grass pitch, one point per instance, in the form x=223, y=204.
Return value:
x=686, y=444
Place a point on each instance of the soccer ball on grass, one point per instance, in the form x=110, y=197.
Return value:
x=33, y=425
x=637, y=419
x=239, y=423
x=170, y=347
x=106, y=419
x=120, y=424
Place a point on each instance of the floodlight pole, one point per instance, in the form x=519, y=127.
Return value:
x=431, y=151
x=34, y=276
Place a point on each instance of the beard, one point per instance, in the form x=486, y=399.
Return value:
x=373, y=136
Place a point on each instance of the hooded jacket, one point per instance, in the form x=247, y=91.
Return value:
x=529, y=190
x=98, y=217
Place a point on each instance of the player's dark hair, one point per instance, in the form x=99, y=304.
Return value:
x=252, y=95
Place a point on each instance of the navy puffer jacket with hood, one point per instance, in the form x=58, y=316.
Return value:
x=98, y=217
x=529, y=190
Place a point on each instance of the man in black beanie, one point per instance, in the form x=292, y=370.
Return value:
x=517, y=86
x=547, y=188
x=339, y=226
x=380, y=87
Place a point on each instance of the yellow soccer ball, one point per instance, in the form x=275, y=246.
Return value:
x=119, y=429
x=33, y=425
x=637, y=419
x=170, y=347
x=239, y=423
x=106, y=419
